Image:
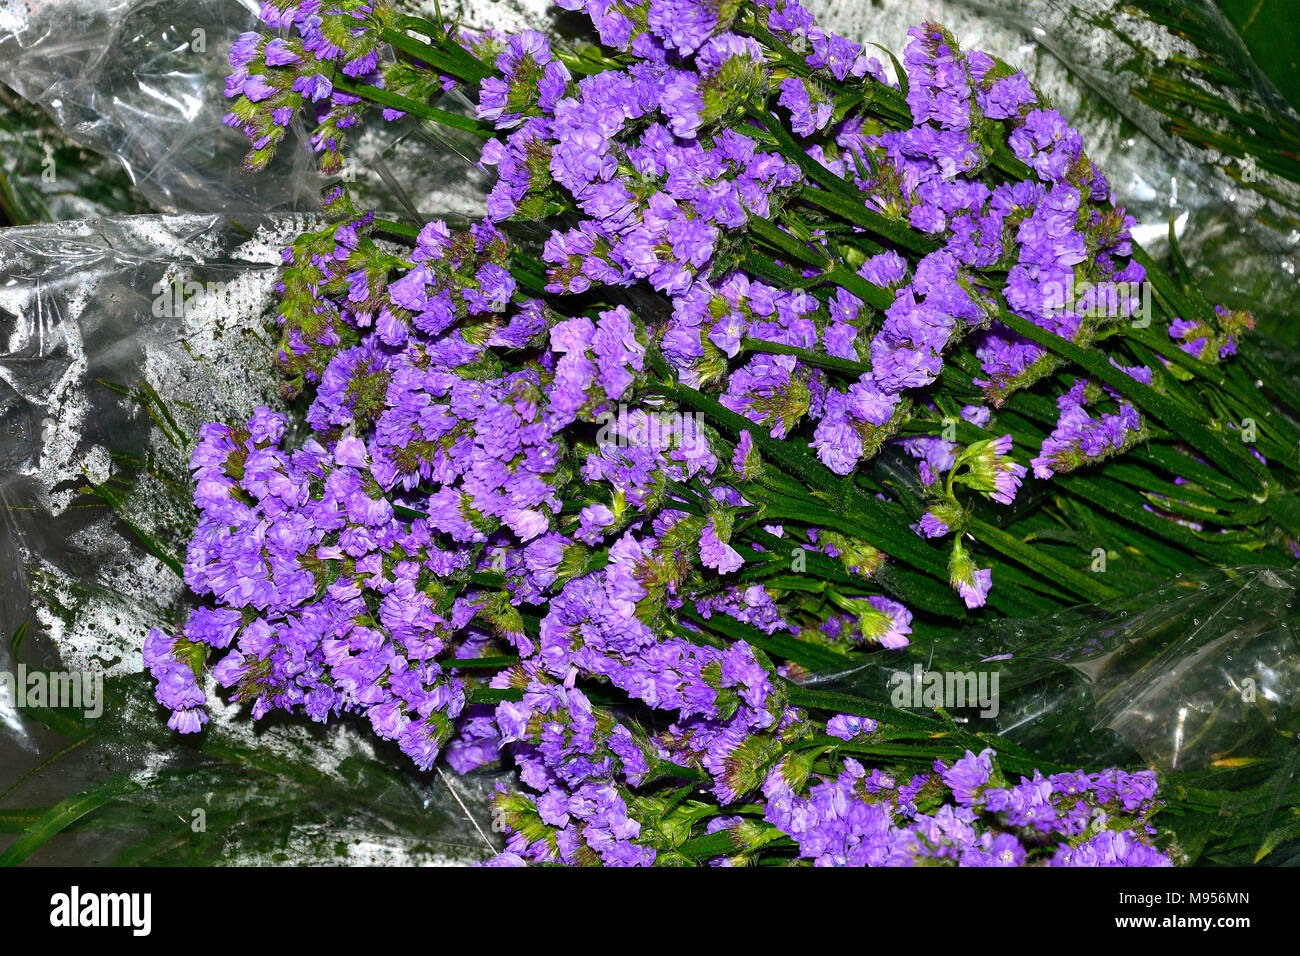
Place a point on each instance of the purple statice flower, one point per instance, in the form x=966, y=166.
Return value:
x=970, y=582
x=840, y=340
x=715, y=52
x=1045, y=142
x=885, y=269
x=477, y=744
x=990, y=849
x=966, y=776
x=1212, y=342
x=1139, y=373
x=619, y=351
x=890, y=624
x=839, y=56
x=591, y=824
x=484, y=473
x=742, y=672
x=277, y=52
x=939, y=88
x=836, y=439
x=1131, y=791
x=1006, y=97
x=1079, y=438
x=832, y=825
x=632, y=471
x=810, y=109
x=717, y=553
x=245, y=49
x=848, y=726
x=752, y=605
x=171, y=663
x=745, y=461
x=557, y=730
x=1110, y=848
x=531, y=82
x=990, y=470
x=683, y=25
x=933, y=524
x=787, y=17
x=769, y=390
x=871, y=819
x=313, y=86
x=919, y=324
x=593, y=519
x=256, y=88
x=906, y=353
x=936, y=456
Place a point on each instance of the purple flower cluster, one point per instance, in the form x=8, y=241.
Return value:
x=958, y=816
x=275, y=78
x=1211, y=342
x=325, y=596
x=171, y=663
x=666, y=174
x=501, y=462
x=1079, y=438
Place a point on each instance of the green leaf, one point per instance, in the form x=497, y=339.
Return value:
x=62, y=815
x=152, y=544
x=1085, y=585
x=788, y=648
x=414, y=107
x=1266, y=28
x=1230, y=456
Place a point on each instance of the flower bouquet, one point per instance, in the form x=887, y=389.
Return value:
x=771, y=358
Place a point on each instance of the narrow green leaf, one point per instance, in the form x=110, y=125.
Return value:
x=61, y=816
x=1036, y=559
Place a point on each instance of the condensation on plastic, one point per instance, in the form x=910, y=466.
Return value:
x=1201, y=671
x=121, y=338
x=140, y=80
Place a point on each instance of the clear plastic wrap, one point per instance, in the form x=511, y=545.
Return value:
x=1200, y=672
x=122, y=336
x=1238, y=223
x=86, y=184
x=140, y=81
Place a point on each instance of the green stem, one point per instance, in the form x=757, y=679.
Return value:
x=407, y=105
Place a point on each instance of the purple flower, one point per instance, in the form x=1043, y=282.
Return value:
x=810, y=110
x=683, y=25
x=966, y=776
x=848, y=726
x=971, y=583
x=172, y=662
x=278, y=53
x=715, y=552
